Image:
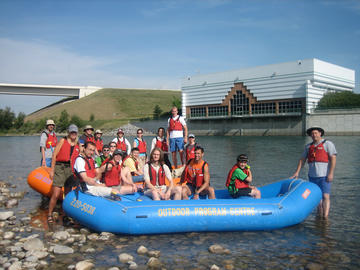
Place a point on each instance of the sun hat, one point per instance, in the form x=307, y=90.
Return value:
x=88, y=127
x=191, y=136
x=73, y=128
x=50, y=122
x=309, y=130
x=98, y=131
x=120, y=130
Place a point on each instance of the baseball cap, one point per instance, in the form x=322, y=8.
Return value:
x=117, y=152
x=73, y=128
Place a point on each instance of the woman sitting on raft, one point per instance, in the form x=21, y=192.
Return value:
x=116, y=176
x=239, y=179
x=155, y=172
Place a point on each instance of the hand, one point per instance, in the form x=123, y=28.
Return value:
x=295, y=176
x=51, y=174
x=330, y=177
x=196, y=196
x=185, y=140
x=43, y=163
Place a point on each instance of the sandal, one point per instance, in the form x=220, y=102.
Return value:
x=50, y=219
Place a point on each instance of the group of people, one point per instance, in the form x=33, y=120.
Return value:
x=114, y=169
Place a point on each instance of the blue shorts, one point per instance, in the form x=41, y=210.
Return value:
x=176, y=144
x=47, y=161
x=322, y=182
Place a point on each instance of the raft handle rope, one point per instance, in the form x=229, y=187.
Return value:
x=290, y=191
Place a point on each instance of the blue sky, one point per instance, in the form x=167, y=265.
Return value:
x=154, y=44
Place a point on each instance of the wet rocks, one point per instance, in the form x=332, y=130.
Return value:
x=142, y=250
x=217, y=249
x=124, y=258
x=60, y=249
x=4, y=215
x=154, y=263
x=84, y=265
x=33, y=244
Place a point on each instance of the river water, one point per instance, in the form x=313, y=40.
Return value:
x=313, y=244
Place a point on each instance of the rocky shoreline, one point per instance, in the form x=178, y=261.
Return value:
x=27, y=243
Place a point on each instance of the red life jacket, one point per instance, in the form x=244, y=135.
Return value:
x=238, y=182
x=136, y=164
x=99, y=144
x=112, y=178
x=157, y=177
x=175, y=124
x=90, y=139
x=121, y=145
x=198, y=179
x=190, y=151
x=141, y=146
x=161, y=144
x=68, y=153
x=51, y=140
x=89, y=167
x=317, y=153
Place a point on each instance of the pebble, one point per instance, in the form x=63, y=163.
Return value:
x=84, y=265
x=214, y=267
x=142, y=250
x=4, y=215
x=217, y=249
x=9, y=235
x=154, y=253
x=124, y=258
x=154, y=263
x=61, y=235
x=314, y=266
x=33, y=244
x=59, y=249
x=132, y=265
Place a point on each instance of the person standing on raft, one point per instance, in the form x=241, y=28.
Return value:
x=197, y=177
x=63, y=158
x=121, y=142
x=321, y=157
x=155, y=172
x=48, y=141
x=239, y=179
x=176, y=137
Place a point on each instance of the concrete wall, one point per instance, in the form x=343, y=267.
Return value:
x=336, y=122
x=256, y=126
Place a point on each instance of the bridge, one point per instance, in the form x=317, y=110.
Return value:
x=47, y=90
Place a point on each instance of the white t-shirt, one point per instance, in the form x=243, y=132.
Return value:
x=177, y=133
x=320, y=169
x=43, y=139
x=79, y=165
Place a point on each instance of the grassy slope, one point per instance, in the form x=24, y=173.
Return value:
x=112, y=106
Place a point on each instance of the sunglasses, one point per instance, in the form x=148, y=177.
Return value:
x=106, y=150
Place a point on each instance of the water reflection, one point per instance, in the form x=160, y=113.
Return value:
x=332, y=243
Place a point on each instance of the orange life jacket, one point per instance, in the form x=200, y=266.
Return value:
x=158, y=177
x=68, y=153
x=317, y=153
x=194, y=173
x=89, y=168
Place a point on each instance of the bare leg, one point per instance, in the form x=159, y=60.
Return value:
x=177, y=193
x=174, y=159
x=186, y=192
x=211, y=193
x=53, y=200
x=182, y=157
x=326, y=205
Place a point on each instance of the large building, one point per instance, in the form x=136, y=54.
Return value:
x=278, y=90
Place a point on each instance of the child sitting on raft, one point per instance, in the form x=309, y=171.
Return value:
x=239, y=179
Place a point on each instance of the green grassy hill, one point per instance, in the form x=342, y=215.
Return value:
x=112, y=107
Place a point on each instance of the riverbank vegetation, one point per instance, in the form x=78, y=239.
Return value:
x=339, y=100
x=106, y=109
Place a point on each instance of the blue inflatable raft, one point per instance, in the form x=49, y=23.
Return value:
x=284, y=203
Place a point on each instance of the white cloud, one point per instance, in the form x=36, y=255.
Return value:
x=42, y=63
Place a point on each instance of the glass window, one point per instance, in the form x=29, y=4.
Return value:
x=290, y=106
x=239, y=104
x=198, y=112
x=218, y=111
